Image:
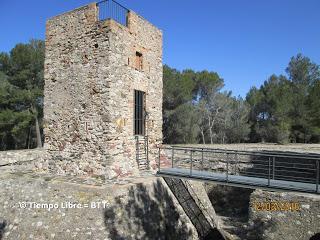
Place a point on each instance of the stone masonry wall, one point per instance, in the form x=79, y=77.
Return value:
x=140, y=36
x=74, y=106
x=89, y=91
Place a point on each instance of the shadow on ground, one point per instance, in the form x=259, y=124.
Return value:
x=257, y=229
x=146, y=214
x=3, y=225
x=233, y=205
x=231, y=201
x=315, y=237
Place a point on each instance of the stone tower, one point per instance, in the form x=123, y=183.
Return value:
x=103, y=91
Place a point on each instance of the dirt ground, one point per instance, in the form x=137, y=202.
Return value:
x=307, y=148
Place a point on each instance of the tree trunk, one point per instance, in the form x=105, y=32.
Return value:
x=28, y=139
x=211, y=135
x=210, y=130
x=203, y=139
x=39, y=142
x=2, y=143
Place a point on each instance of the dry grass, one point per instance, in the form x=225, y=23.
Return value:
x=307, y=148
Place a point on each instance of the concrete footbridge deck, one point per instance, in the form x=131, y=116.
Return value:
x=274, y=171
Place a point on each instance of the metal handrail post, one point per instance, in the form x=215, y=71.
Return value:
x=273, y=167
x=172, y=157
x=191, y=163
x=236, y=165
x=202, y=168
x=269, y=170
x=227, y=177
x=317, y=183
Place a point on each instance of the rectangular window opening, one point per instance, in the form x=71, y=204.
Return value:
x=139, y=61
x=139, y=112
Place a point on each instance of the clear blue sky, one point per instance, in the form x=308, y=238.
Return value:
x=244, y=41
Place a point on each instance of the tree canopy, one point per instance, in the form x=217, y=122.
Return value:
x=21, y=95
x=286, y=108
x=196, y=111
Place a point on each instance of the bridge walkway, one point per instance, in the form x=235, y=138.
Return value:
x=275, y=171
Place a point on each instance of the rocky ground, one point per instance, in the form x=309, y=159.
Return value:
x=22, y=216
x=46, y=206
x=232, y=205
x=38, y=206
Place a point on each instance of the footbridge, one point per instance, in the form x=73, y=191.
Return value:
x=268, y=170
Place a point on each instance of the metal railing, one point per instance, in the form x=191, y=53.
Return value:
x=142, y=152
x=268, y=165
x=110, y=9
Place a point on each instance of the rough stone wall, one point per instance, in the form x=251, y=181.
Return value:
x=89, y=91
x=139, y=36
x=295, y=225
x=22, y=160
x=76, y=91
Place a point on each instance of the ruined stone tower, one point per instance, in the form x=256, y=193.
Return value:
x=103, y=91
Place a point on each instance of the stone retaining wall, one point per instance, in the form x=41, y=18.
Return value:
x=27, y=159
